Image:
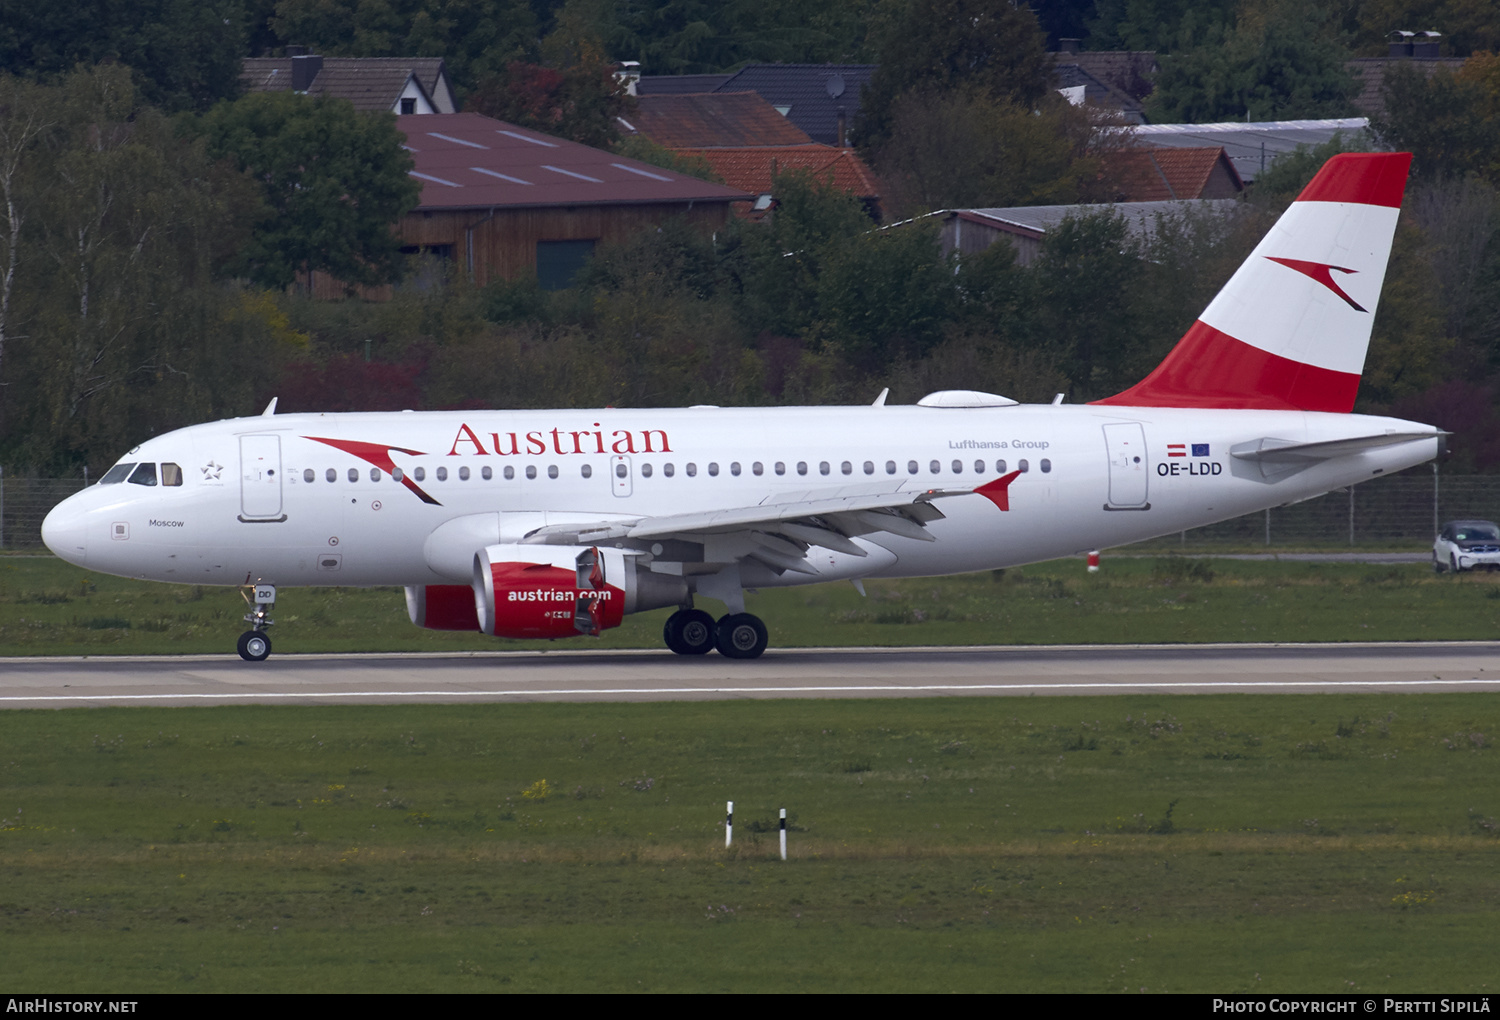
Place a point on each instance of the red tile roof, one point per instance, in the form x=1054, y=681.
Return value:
x=713, y=121
x=751, y=169
x=1159, y=175
x=469, y=161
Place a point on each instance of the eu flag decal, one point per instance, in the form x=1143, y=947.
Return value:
x=1200, y=449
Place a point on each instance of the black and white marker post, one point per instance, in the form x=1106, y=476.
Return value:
x=783, y=833
x=728, y=824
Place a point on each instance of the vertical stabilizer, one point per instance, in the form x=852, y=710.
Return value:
x=1290, y=329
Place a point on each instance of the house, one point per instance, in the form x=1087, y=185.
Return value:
x=1170, y=174
x=708, y=120
x=505, y=201
x=753, y=170
x=402, y=85
x=821, y=99
x=970, y=231
x=1419, y=50
x=1253, y=146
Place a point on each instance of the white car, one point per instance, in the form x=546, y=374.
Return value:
x=1467, y=545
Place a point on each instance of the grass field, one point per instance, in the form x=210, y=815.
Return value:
x=49, y=607
x=1263, y=843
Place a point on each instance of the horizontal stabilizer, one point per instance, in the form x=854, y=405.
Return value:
x=1285, y=451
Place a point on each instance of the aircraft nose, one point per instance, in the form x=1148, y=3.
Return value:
x=64, y=532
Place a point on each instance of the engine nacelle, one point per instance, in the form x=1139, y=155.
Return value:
x=552, y=591
x=442, y=606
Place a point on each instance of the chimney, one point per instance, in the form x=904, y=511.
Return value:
x=1425, y=45
x=1068, y=45
x=296, y=51
x=304, y=70
x=1400, y=43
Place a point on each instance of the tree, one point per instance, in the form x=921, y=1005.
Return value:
x=1086, y=277
x=952, y=150
x=1447, y=122
x=128, y=328
x=980, y=48
x=1165, y=26
x=475, y=38
x=333, y=184
x=184, y=54
x=576, y=96
x=1283, y=67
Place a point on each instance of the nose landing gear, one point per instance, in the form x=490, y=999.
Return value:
x=255, y=645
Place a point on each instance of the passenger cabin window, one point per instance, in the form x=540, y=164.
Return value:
x=420, y=474
x=1000, y=467
x=442, y=474
x=397, y=474
x=713, y=469
x=734, y=469
x=757, y=468
x=309, y=475
x=1023, y=467
x=645, y=470
x=668, y=470
x=488, y=472
x=979, y=467
x=692, y=469
x=869, y=467
x=463, y=474
x=144, y=474
x=510, y=473
x=354, y=474
x=911, y=467
x=823, y=467
x=374, y=474
x=332, y=474
x=118, y=473
x=846, y=468
x=171, y=474
x=890, y=467
x=531, y=471
x=958, y=467
x=1046, y=466
x=781, y=467
x=551, y=470
x=802, y=467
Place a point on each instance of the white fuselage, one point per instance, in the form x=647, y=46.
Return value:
x=256, y=501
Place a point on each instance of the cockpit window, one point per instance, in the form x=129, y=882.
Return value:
x=171, y=474
x=144, y=474
x=118, y=473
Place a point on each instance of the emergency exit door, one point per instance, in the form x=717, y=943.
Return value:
x=1129, y=468
x=260, y=478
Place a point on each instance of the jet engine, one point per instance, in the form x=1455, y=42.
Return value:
x=553, y=591
x=442, y=606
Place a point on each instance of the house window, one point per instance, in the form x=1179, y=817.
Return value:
x=408, y=105
x=558, y=262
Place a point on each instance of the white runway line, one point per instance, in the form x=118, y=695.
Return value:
x=840, y=689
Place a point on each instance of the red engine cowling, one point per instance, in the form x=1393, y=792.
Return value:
x=549, y=591
x=442, y=607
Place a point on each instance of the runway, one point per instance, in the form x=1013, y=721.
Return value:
x=781, y=673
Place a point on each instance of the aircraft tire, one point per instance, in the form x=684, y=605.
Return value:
x=741, y=636
x=254, y=646
x=689, y=632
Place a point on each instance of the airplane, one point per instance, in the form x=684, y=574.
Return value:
x=555, y=523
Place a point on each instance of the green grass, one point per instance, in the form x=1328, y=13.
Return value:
x=48, y=607
x=1328, y=843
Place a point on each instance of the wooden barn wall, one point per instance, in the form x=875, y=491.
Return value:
x=505, y=245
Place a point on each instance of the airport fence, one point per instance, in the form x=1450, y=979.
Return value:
x=1403, y=509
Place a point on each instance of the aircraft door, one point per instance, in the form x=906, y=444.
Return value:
x=260, y=478
x=621, y=476
x=1129, y=469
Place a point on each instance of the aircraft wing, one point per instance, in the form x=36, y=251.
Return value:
x=784, y=526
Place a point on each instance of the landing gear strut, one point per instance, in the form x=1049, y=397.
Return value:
x=255, y=645
x=694, y=632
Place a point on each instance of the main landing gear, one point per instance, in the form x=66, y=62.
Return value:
x=694, y=632
x=255, y=644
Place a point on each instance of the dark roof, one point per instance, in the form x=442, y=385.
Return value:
x=1371, y=72
x=469, y=161
x=370, y=83
x=1127, y=70
x=808, y=92
x=713, y=121
x=1096, y=92
x=674, y=84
